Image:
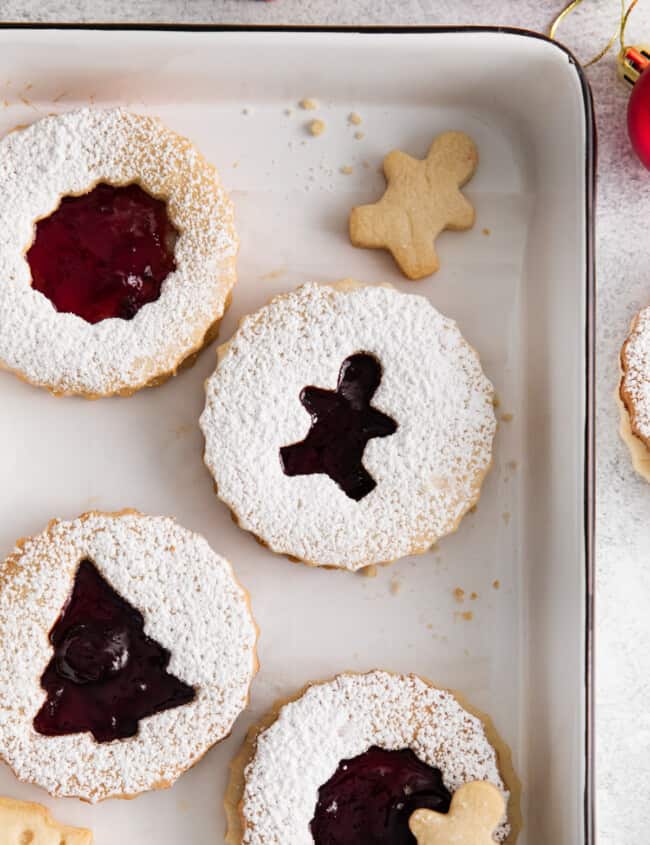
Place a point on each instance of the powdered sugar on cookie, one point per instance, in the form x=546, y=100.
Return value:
x=341, y=719
x=69, y=154
x=192, y=605
x=427, y=474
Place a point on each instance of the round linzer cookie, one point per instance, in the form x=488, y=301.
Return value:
x=348, y=425
x=353, y=758
x=634, y=393
x=117, y=252
x=127, y=649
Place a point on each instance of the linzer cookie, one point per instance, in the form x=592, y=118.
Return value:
x=634, y=393
x=348, y=425
x=422, y=199
x=25, y=823
x=127, y=649
x=117, y=252
x=352, y=759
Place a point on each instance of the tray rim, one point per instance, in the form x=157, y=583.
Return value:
x=589, y=482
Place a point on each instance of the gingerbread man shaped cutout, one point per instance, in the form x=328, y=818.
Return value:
x=422, y=198
x=476, y=810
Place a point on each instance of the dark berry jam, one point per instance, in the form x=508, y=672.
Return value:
x=103, y=254
x=370, y=798
x=106, y=673
x=342, y=423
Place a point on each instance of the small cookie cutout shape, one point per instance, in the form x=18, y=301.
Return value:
x=421, y=200
x=476, y=811
x=25, y=822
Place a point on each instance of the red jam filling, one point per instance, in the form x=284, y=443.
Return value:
x=106, y=673
x=104, y=254
x=370, y=798
x=342, y=423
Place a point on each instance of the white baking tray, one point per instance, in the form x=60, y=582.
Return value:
x=520, y=292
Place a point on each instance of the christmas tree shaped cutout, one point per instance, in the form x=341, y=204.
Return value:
x=106, y=673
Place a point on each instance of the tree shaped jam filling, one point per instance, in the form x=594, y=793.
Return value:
x=342, y=423
x=104, y=254
x=106, y=673
x=370, y=798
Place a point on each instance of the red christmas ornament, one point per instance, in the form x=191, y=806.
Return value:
x=635, y=63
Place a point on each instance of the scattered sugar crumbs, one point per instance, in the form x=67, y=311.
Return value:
x=308, y=104
x=507, y=418
x=354, y=119
x=359, y=135
x=473, y=596
x=496, y=584
x=486, y=232
x=395, y=586
x=459, y=595
x=316, y=127
x=346, y=170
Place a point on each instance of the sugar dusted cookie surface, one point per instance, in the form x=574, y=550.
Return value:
x=422, y=198
x=69, y=155
x=25, y=822
x=477, y=809
x=191, y=608
x=348, y=425
x=324, y=766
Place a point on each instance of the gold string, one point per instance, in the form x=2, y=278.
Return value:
x=618, y=35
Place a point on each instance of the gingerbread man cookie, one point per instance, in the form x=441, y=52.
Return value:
x=22, y=821
x=421, y=200
x=476, y=811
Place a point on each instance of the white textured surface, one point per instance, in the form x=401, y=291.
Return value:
x=623, y=539
x=192, y=606
x=428, y=472
x=68, y=154
x=341, y=719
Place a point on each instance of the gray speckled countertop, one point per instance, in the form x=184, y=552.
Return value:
x=623, y=577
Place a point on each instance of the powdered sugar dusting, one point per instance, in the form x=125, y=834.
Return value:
x=192, y=606
x=70, y=154
x=428, y=473
x=635, y=383
x=341, y=719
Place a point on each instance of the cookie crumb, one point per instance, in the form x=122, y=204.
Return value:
x=473, y=596
x=308, y=104
x=496, y=584
x=505, y=516
x=354, y=118
x=359, y=135
x=506, y=418
x=346, y=170
x=511, y=466
x=466, y=615
x=459, y=595
x=316, y=127
x=429, y=626
x=369, y=571
x=235, y=164
x=395, y=586
x=486, y=232
x=273, y=274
